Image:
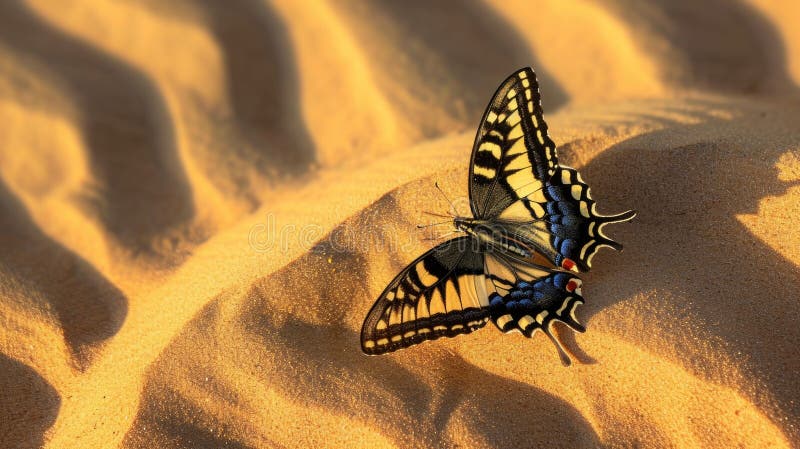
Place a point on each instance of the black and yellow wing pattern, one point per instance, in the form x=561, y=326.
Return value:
x=522, y=197
x=456, y=289
x=441, y=294
x=513, y=156
x=515, y=177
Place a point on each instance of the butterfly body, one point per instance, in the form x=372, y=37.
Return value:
x=493, y=236
x=533, y=225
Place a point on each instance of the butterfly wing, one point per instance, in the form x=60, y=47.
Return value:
x=512, y=156
x=515, y=178
x=575, y=228
x=441, y=294
x=528, y=298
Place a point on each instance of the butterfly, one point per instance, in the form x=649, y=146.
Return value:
x=534, y=225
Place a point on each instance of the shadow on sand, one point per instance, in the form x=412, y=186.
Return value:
x=89, y=307
x=141, y=190
x=688, y=243
x=28, y=405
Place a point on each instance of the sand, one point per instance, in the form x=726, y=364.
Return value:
x=200, y=202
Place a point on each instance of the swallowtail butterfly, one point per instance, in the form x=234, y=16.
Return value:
x=534, y=225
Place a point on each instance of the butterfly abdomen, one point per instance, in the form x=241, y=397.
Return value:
x=492, y=236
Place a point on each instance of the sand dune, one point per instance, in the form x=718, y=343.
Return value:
x=153, y=152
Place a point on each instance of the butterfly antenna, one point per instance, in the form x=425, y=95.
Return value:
x=452, y=206
x=419, y=226
x=433, y=214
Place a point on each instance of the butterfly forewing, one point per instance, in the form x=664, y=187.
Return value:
x=441, y=294
x=517, y=182
x=512, y=156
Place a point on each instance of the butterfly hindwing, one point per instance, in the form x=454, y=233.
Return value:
x=532, y=298
x=441, y=294
x=575, y=227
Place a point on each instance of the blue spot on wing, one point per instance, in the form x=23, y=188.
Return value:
x=556, y=193
x=530, y=299
x=569, y=246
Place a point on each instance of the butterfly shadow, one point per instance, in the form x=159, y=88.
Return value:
x=690, y=253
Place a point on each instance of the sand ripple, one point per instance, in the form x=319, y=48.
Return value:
x=152, y=153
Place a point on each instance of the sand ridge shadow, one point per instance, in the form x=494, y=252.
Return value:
x=189, y=399
x=263, y=81
x=499, y=52
x=403, y=400
x=142, y=190
x=28, y=405
x=171, y=417
x=688, y=243
x=90, y=308
x=723, y=45
x=262, y=77
x=448, y=77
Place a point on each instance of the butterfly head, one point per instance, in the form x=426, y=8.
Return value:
x=478, y=229
x=472, y=226
x=463, y=224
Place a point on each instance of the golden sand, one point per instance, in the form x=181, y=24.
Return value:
x=200, y=200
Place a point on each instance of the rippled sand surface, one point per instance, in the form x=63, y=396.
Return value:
x=200, y=200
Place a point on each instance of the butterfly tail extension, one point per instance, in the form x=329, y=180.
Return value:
x=603, y=220
x=577, y=230
x=533, y=306
x=562, y=354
